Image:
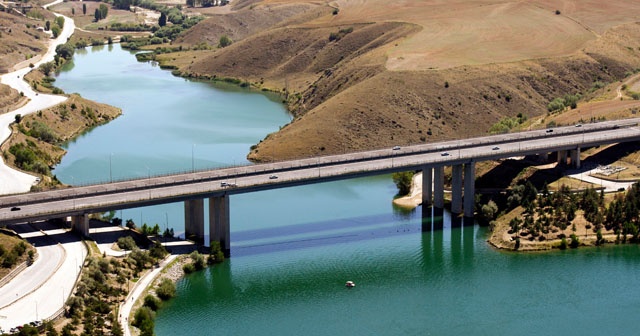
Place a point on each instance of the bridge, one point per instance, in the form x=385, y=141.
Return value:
x=219, y=184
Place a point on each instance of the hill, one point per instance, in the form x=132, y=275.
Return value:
x=373, y=74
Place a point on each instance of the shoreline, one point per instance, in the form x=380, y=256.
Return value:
x=13, y=180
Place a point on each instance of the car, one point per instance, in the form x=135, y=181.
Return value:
x=231, y=185
x=616, y=126
x=273, y=177
x=396, y=148
x=578, y=125
x=444, y=154
x=495, y=148
x=224, y=184
x=15, y=208
x=549, y=131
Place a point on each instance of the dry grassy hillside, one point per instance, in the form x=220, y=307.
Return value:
x=19, y=39
x=374, y=74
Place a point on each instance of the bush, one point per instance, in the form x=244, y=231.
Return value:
x=575, y=242
x=198, y=260
x=563, y=243
x=225, y=41
x=152, y=302
x=188, y=268
x=166, y=290
x=127, y=243
x=143, y=319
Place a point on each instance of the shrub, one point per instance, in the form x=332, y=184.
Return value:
x=575, y=242
x=166, y=290
x=188, y=268
x=152, y=302
x=563, y=243
x=224, y=41
x=198, y=260
x=127, y=243
x=143, y=319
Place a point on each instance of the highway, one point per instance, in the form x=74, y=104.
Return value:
x=39, y=291
x=251, y=178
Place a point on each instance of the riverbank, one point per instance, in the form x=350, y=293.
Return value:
x=13, y=180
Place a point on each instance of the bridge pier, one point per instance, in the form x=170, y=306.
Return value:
x=469, y=189
x=456, y=189
x=562, y=157
x=80, y=224
x=194, y=220
x=575, y=157
x=219, y=226
x=544, y=157
x=438, y=187
x=427, y=186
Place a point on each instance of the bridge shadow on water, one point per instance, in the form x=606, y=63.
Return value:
x=431, y=223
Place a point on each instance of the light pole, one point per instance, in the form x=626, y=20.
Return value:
x=110, y=174
x=149, y=180
x=193, y=165
x=37, y=310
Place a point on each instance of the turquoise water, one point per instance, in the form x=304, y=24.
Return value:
x=293, y=249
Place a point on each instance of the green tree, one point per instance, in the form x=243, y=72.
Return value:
x=162, y=21
x=60, y=21
x=65, y=51
x=489, y=210
x=46, y=68
x=104, y=11
x=143, y=319
x=130, y=224
x=47, y=25
x=152, y=302
x=403, y=182
x=55, y=31
x=84, y=9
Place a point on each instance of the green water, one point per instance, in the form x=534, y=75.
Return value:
x=293, y=249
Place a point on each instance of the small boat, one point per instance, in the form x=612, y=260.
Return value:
x=350, y=284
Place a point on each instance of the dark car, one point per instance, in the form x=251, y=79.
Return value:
x=444, y=154
x=273, y=177
x=15, y=208
x=549, y=131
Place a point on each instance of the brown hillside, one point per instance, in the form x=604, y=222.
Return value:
x=399, y=73
x=19, y=38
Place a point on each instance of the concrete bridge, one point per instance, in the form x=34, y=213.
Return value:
x=219, y=184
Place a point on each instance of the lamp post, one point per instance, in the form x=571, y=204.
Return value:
x=110, y=171
x=193, y=165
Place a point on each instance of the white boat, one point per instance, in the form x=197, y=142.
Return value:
x=350, y=284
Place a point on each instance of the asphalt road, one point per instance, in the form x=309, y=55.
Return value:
x=13, y=181
x=40, y=291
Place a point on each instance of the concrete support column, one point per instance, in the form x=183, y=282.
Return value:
x=219, y=221
x=562, y=157
x=469, y=188
x=194, y=220
x=80, y=224
x=544, y=157
x=427, y=186
x=456, y=189
x=438, y=187
x=575, y=158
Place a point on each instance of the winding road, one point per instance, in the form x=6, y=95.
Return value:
x=11, y=180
